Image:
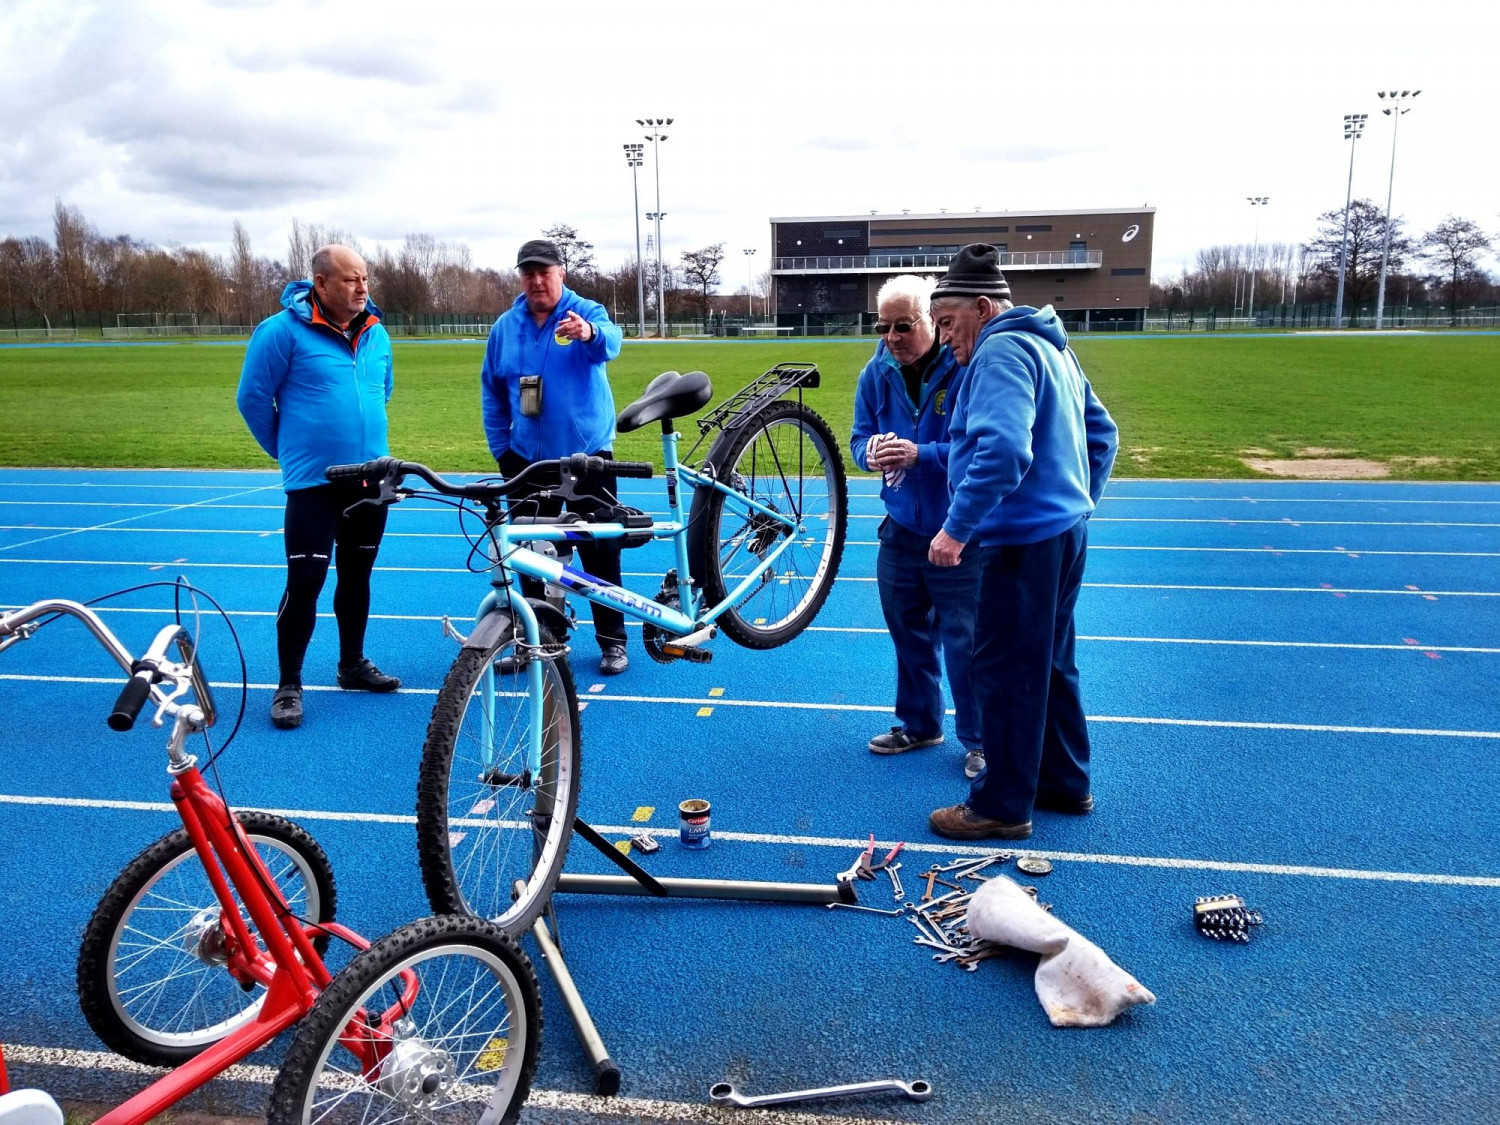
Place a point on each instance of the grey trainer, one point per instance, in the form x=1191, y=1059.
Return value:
x=899, y=742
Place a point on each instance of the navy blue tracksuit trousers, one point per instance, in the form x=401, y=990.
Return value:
x=1025, y=677
x=928, y=607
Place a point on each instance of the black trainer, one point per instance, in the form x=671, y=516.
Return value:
x=286, y=708
x=364, y=676
x=612, y=660
x=899, y=742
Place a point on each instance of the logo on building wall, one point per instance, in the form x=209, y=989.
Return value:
x=1130, y=232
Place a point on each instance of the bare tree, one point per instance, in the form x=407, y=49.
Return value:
x=701, y=268
x=1366, y=233
x=71, y=236
x=305, y=240
x=1455, y=246
x=36, y=275
x=576, y=254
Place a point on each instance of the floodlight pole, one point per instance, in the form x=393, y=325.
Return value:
x=750, y=284
x=1255, y=201
x=1354, y=125
x=1395, y=111
x=633, y=157
x=656, y=136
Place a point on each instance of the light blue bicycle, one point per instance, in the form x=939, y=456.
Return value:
x=756, y=556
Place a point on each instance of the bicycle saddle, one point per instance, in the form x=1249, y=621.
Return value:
x=669, y=395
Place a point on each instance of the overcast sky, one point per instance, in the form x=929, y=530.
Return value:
x=487, y=122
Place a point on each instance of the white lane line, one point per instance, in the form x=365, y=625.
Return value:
x=558, y=1101
x=872, y=708
x=123, y=519
x=861, y=630
x=1303, y=551
x=1221, y=521
x=842, y=578
x=778, y=839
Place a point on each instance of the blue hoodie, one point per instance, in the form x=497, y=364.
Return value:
x=882, y=406
x=1031, y=445
x=578, y=409
x=312, y=398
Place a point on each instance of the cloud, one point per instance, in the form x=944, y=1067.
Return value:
x=1023, y=153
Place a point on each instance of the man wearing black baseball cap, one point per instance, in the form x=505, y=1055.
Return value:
x=1031, y=448
x=545, y=394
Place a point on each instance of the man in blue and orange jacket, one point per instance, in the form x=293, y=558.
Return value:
x=313, y=391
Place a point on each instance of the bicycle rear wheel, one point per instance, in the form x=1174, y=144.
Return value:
x=151, y=975
x=785, y=458
x=484, y=820
x=464, y=1048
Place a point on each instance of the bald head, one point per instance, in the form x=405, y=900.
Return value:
x=341, y=282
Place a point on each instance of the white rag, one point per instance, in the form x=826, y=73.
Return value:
x=893, y=477
x=1077, y=983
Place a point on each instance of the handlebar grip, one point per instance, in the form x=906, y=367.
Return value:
x=132, y=697
x=337, y=473
x=642, y=470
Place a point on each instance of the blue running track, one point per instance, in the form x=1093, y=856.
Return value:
x=1293, y=695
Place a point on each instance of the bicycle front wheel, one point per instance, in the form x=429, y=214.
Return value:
x=151, y=971
x=485, y=818
x=785, y=459
x=462, y=1048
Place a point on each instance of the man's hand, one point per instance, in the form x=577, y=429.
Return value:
x=895, y=453
x=574, y=327
x=944, y=550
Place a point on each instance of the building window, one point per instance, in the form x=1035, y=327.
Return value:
x=1134, y=271
x=842, y=232
x=1039, y=228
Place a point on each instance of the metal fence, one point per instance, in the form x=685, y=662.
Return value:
x=1306, y=317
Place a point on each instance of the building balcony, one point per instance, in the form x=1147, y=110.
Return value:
x=902, y=263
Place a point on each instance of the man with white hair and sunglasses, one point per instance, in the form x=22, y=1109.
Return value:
x=901, y=431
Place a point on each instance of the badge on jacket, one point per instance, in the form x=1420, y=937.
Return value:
x=938, y=400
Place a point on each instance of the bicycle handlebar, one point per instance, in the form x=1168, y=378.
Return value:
x=390, y=471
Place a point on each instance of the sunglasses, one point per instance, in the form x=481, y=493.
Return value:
x=902, y=326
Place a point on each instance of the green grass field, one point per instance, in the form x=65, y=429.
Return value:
x=1423, y=405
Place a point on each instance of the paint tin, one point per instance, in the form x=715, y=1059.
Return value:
x=693, y=818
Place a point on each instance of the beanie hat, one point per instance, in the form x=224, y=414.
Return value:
x=974, y=272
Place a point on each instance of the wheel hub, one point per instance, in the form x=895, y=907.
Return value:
x=203, y=937
x=414, y=1073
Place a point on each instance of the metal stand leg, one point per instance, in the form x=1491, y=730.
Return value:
x=638, y=881
x=606, y=1073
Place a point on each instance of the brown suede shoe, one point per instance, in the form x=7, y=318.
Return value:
x=959, y=822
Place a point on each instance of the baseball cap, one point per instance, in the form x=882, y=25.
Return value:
x=538, y=252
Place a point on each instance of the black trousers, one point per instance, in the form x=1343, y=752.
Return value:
x=601, y=559
x=317, y=531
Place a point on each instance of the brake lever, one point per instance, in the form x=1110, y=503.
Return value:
x=389, y=493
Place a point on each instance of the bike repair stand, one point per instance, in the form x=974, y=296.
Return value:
x=638, y=881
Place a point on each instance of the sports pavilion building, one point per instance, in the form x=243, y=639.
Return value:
x=1094, y=267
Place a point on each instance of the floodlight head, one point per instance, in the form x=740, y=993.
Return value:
x=1381, y=94
x=1414, y=93
x=639, y=121
x=1406, y=93
x=1387, y=112
x=669, y=121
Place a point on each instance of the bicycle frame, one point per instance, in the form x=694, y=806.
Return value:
x=525, y=561
x=289, y=967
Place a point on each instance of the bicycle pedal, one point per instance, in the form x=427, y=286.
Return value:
x=691, y=653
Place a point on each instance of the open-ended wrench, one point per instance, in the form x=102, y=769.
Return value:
x=723, y=1093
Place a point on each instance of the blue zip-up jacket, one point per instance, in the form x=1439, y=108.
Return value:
x=578, y=409
x=312, y=398
x=1031, y=446
x=882, y=406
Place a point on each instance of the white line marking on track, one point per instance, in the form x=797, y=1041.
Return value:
x=123, y=519
x=779, y=839
x=794, y=705
x=881, y=631
x=633, y=1108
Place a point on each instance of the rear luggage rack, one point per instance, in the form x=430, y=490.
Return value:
x=757, y=394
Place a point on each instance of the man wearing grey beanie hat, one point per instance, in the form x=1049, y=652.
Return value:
x=1031, y=448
